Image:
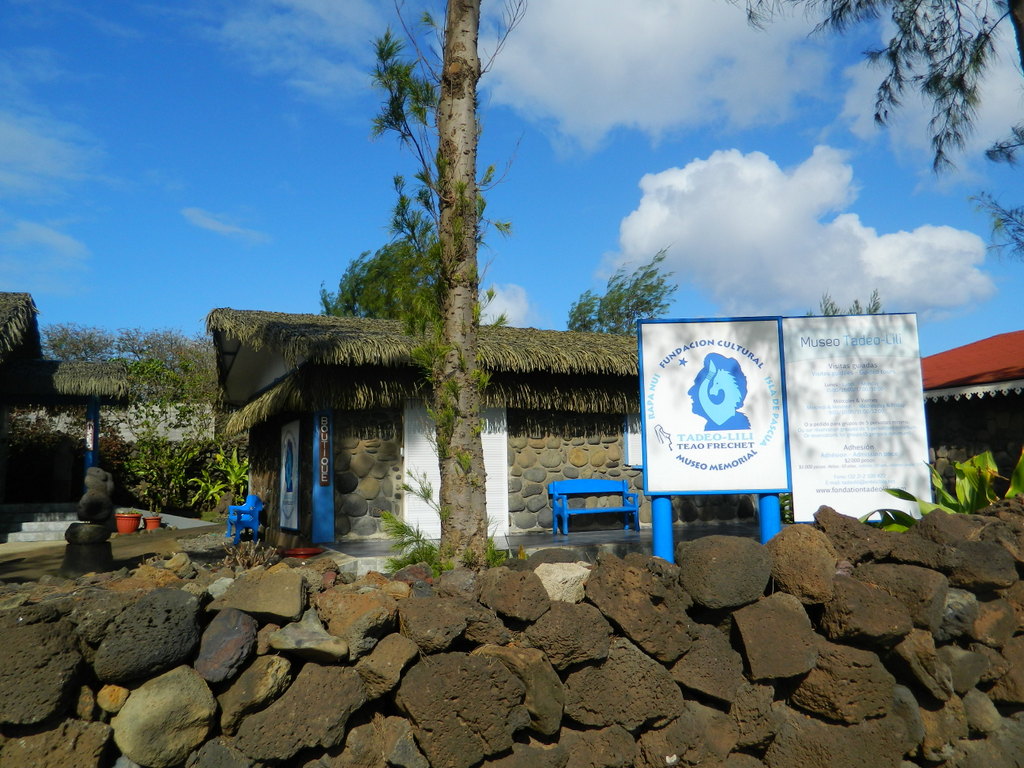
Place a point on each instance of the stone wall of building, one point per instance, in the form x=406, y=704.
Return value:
x=369, y=471
x=367, y=482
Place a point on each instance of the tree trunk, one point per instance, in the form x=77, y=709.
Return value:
x=457, y=386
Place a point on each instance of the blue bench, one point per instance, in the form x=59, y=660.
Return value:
x=562, y=490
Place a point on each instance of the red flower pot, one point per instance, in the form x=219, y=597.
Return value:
x=127, y=522
x=152, y=523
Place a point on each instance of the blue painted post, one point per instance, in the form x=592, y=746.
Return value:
x=661, y=528
x=769, y=516
x=323, y=478
x=92, y=432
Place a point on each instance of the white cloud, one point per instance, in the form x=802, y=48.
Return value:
x=37, y=155
x=321, y=47
x=511, y=300
x=761, y=239
x=221, y=224
x=589, y=66
x=40, y=258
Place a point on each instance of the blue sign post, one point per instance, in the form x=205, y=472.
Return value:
x=661, y=528
x=323, y=478
x=92, y=432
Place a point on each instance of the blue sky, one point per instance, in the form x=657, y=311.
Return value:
x=161, y=160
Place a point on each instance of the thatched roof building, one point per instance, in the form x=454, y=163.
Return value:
x=344, y=397
x=272, y=363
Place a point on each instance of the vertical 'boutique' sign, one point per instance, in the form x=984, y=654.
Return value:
x=713, y=407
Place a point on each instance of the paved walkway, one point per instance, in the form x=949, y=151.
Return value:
x=28, y=561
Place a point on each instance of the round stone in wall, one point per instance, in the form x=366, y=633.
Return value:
x=598, y=457
x=389, y=451
x=365, y=526
x=362, y=463
x=342, y=524
x=524, y=521
x=544, y=517
x=353, y=505
x=578, y=457
x=533, y=489
x=369, y=488
x=535, y=475
x=570, y=473
x=527, y=458
x=518, y=442
x=536, y=503
x=515, y=484
x=345, y=482
x=516, y=503
x=551, y=459
x=342, y=460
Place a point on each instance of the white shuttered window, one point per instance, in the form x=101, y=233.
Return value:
x=421, y=469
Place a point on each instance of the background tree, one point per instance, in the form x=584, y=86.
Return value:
x=627, y=298
x=942, y=48
x=386, y=283
x=827, y=307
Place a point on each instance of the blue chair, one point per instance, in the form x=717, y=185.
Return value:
x=245, y=517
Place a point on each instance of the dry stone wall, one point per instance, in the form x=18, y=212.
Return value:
x=834, y=646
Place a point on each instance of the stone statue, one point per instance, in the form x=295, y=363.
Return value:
x=95, y=506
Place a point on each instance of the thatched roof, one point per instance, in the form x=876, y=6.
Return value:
x=37, y=381
x=531, y=370
x=19, y=332
x=355, y=341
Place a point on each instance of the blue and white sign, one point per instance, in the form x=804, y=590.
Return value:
x=713, y=407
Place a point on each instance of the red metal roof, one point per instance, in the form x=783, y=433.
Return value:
x=998, y=358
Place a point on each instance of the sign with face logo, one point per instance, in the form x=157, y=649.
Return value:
x=713, y=410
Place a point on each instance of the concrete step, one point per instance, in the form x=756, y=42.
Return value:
x=36, y=522
x=37, y=535
x=21, y=513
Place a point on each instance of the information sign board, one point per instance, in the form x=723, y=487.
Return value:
x=713, y=413
x=856, y=413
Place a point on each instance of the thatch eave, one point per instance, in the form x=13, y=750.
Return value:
x=314, y=387
x=37, y=380
x=19, y=329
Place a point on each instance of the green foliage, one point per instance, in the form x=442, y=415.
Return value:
x=411, y=546
x=890, y=520
x=974, y=488
x=161, y=468
x=224, y=473
x=642, y=294
x=1007, y=223
x=386, y=284
x=827, y=307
